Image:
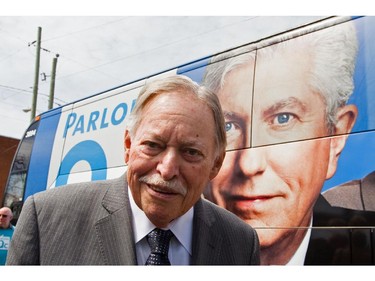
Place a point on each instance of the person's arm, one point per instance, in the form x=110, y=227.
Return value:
x=24, y=246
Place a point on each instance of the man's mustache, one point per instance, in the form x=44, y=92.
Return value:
x=173, y=185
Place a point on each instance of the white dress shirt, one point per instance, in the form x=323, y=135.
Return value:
x=299, y=256
x=181, y=227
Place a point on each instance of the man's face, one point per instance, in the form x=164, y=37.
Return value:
x=5, y=218
x=273, y=184
x=174, y=146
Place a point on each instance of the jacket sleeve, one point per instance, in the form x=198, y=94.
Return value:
x=24, y=246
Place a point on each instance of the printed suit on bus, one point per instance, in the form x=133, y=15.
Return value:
x=340, y=236
x=358, y=194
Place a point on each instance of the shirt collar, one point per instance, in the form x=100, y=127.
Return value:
x=299, y=256
x=182, y=227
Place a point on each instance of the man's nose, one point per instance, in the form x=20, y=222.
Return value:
x=169, y=164
x=252, y=161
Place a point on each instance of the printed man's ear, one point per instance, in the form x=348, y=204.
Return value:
x=346, y=117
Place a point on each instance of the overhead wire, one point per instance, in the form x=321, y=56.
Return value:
x=153, y=49
x=28, y=91
x=85, y=29
x=96, y=67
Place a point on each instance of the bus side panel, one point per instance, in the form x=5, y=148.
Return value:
x=41, y=154
x=89, y=139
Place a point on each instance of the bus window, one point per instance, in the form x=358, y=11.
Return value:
x=15, y=187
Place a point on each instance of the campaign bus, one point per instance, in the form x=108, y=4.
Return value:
x=301, y=142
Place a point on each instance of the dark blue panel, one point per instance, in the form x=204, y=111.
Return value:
x=41, y=153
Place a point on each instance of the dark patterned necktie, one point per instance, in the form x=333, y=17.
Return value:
x=158, y=240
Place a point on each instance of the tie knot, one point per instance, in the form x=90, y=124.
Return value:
x=158, y=239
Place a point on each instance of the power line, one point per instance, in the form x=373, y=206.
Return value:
x=29, y=92
x=26, y=108
x=85, y=29
x=149, y=50
x=11, y=55
x=12, y=35
x=15, y=89
x=77, y=62
x=94, y=68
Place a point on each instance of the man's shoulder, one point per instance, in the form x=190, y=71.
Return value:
x=77, y=192
x=327, y=215
x=7, y=231
x=358, y=194
x=73, y=188
x=346, y=195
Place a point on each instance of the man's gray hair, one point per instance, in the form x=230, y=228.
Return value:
x=333, y=51
x=182, y=85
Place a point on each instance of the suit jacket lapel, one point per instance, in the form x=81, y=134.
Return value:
x=114, y=231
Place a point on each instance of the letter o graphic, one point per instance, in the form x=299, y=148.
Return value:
x=89, y=151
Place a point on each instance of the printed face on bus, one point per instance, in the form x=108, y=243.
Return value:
x=276, y=182
x=172, y=156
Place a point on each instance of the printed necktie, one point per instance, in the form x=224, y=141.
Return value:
x=158, y=240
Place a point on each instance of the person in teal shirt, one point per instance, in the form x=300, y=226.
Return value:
x=6, y=232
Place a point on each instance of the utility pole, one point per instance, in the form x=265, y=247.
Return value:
x=52, y=86
x=36, y=77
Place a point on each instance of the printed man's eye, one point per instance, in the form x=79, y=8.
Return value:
x=283, y=118
x=228, y=126
x=235, y=134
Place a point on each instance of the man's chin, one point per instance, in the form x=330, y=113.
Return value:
x=266, y=235
x=254, y=222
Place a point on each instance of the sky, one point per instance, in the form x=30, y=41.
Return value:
x=103, y=49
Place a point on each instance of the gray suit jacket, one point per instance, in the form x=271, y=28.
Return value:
x=355, y=194
x=90, y=224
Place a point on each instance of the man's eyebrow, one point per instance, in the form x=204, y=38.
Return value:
x=232, y=114
x=281, y=104
x=228, y=114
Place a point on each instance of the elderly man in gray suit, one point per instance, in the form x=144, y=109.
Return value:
x=171, y=154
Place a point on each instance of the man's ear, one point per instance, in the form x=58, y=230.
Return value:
x=217, y=165
x=346, y=117
x=127, y=145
